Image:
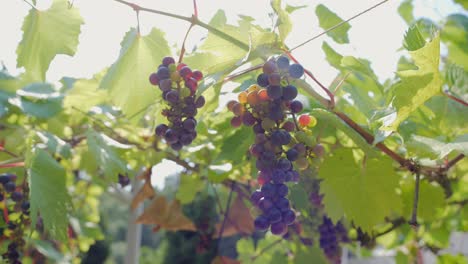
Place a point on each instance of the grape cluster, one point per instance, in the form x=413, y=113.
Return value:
x=15, y=200
x=178, y=84
x=330, y=237
x=265, y=107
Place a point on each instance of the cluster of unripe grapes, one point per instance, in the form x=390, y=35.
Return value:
x=15, y=201
x=330, y=237
x=269, y=107
x=178, y=84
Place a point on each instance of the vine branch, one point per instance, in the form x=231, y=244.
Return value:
x=338, y=25
x=456, y=99
x=226, y=213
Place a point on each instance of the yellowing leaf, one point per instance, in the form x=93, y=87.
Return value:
x=127, y=79
x=239, y=220
x=417, y=86
x=146, y=191
x=166, y=215
x=364, y=194
x=46, y=34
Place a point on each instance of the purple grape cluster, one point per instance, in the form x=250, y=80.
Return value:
x=178, y=85
x=15, y=200
x=330, y=237
x=264, y=107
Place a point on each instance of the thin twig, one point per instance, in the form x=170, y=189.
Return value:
x=193, y=20
x=195, y=8
x=454, y=161
x=2, y=149
x=308, y=73
x=31, y=5
x=456, y=99
x=395, y=224
x=414, y=214
x=138, y=21
x=338, y=25
x=238, y=74
x=182, y=51
x=226, y=213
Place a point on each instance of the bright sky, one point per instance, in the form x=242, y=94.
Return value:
x=375, y=36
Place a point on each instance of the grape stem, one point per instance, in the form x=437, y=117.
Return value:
x=30, y=4
x=414, y=215
x=182, y=50
x=2, y=149
x=456, y=99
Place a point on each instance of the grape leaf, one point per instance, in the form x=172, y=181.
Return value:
x=290, y=9
x=239, y=220
x=55, y=144
x=235, y=146
x=414, y=39
x=48, y=193
x=189, y=186
x=431, y=198
x=309, y=255
x=406, y=11
x=457, y=80
x=463, y=3
x=439, y=148
x=365, y=195
x=455, y=35
x=299, y=197
x=166, y=215
x=417, y=86
x=38, y=99
x=328, y=19
x=127, y=79
x=83, y=95
x=284, y=22
x=46, y=34
x=333, y=57
x=102, y=151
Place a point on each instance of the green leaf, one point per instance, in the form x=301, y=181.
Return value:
x=329, y=118
x=189, y=186
x=413, y=40
x=306, y=255
x=290, y=9
x=102, y=150
x=463, y=3
x=328, y=19
x=333, y=57
x=127, y=79
x=417, y=86
x=431, y=198
x=55, y=144
x=299, y=197
x=457, y=80
x=235, y=146
x=452, y=259
x=84, y=94
x=440, y=149
x=455, y=35
x=38, y=99
x=284, y=22
x=364, y=194
x=47, y=34
x=406, y=11
x=48, y=193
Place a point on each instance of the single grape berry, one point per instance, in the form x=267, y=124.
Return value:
x=296, y=106
x=261, y=223
x=282, y=62
x=154, y=80
x=278, y=228
x=304, y=120
x=296, y=71
x=16, y=196
x=262, y=80
x=289, y=92
x=10, y=186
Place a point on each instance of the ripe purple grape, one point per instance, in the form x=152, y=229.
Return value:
x=161, y=129
x=289, y=92
x=288, y=217
x=278, y=228
x=292, y=154
x=200, y=102
x=172, y=96
x=261, y=223
x=282, y=62
x=189, y=123
x=282, y=190
x=154, y=80
x=163, y=73
x=274, y=215
x=296, y=106
x=262, y=80
x=168, y=60
x=296, y=71
x=274, y=91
